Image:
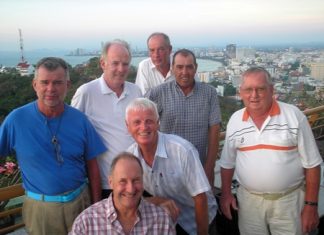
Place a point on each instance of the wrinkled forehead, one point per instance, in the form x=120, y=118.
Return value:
x=254, y=78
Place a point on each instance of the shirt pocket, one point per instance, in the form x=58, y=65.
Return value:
x=172, y=180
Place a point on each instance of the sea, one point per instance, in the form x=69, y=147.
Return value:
x=11, y=59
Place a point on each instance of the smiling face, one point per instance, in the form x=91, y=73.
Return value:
x=184, y=69
x=126, y=181
x=256, y=94
x=143, y=125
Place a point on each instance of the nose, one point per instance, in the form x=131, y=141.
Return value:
x=254, y=93
x=155, y=54
x=130, y=187
x=143, y=125
x=120, y=67
x=51, y=86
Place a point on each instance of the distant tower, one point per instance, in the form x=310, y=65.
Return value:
x=231, y=51
x=21, y=43
x=23, y=65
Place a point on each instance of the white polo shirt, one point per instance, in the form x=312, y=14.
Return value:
x=272, y=159
x=177, y=174
x=106, y=112
x=148, y=76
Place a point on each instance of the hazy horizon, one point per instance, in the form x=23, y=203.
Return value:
x=67, y=25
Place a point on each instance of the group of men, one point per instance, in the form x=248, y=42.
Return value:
x=113, y=144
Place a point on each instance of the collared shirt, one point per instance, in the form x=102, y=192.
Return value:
x=106, y=111
x=271, y=159
x=101, y=218
x=187, y=116
x=148, y=76
x=177, y=174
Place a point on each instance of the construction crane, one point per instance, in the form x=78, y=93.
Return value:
x=23, y=65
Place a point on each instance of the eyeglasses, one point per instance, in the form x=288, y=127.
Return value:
x=57, y=148
x=258, y=90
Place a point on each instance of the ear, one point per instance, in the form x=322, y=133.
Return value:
x=110, y=180
x=68, y=83
x=102, y=63
x=239, y=92
x=196, y=68
x=127, y=126
x=34, y=84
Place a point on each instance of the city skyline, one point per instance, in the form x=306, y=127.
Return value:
x=74, y=24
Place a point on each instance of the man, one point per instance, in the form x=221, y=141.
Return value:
x=125, y=211
x=172, y=169
x=190, y=109
x=104, y=101
x=272, y=149
x=156, y=69
x=56, y=147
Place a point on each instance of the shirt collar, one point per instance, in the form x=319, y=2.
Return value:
x=105, y=89
x=112, y=213
x=194, y=90
x=152, y=66
x=274, y=110
x=160, y=149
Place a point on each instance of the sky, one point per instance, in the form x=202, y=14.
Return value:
x=71, y=24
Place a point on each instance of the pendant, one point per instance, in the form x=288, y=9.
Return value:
x=54, y=140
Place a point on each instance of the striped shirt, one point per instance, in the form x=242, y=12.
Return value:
x=101, y=218
x=270, y=159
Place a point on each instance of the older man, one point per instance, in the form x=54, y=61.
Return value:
x=190, y=109
x=172, y=169
x=156, y=69
x=104, y=101
x=125, y=211
x=56, y=147
x=272, y=149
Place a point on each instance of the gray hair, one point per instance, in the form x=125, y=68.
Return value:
x=142, y=104
x=257, y=69
x=165, y=37
x=51, y=64
x=107, y=45
x=125, y=156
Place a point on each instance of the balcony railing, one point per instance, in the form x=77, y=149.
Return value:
x=315, y=117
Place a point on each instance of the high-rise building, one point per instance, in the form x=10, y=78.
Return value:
x=231, y=51
x=317, y=70
x=245, y=53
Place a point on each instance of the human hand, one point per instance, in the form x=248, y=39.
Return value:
x=167, y=204
x=171, y=208
x=227, y=202
x=309, y=218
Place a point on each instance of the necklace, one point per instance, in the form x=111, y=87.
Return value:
x=54, y=140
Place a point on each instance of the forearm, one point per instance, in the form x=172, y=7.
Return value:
x=227, y=176
x=309, y=215
x=312, y=178
x=201, y=212
x=94, y=180
x=212, y=152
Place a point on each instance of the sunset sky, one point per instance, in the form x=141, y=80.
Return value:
x=70, y=24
